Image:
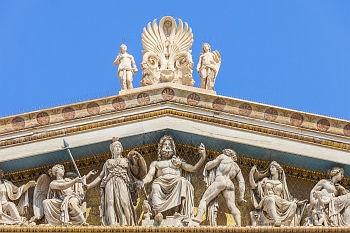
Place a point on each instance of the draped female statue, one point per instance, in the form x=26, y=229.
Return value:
x=273, y=203
x=118, y=194
x=329, y=201
x=9, y=211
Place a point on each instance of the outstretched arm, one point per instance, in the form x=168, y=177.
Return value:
x=190, y=168
x=67, y=184
x=31, y=183
x=97, y=180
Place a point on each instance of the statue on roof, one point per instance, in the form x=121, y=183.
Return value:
x=172, y=192
x=219, y=175
x=10, y=213
x=127, y=68
x=208, y=66
x=167, y=55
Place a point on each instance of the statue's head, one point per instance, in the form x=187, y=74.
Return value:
x=206, y=47
x=275, y=167
x=334, y=171
x=231, y=153
x=58, y=168
x=166, y=148
x=123, y=48
x=116, y=147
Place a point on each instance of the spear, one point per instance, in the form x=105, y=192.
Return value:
x=66, y=146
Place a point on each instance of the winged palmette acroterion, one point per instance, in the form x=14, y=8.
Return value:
x=167, y=55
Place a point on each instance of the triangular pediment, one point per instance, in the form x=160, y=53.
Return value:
x=305, y=144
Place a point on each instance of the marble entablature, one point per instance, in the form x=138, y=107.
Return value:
x=34, y=122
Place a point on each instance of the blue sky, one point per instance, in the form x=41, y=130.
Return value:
x=292, y=54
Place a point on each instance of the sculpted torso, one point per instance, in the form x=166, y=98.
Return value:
x=125, y=60
x=55, y=185
x=272, y=187
x=325, y=189
x=328, y=188
x=166, y=168
x=227, y=167
x=207, y=59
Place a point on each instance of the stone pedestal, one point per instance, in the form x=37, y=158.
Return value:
x=173, y=221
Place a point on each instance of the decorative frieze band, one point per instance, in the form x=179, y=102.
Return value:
x=228, y=105
x=181, y=114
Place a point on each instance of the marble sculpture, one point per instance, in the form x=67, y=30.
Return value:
x=208, y=66
x=126, y=69
x=118, y=194
x=10, y=213
x=167, y=55
x=218, y=175
x=274, y=205
x=329, y=202
x=171, y=190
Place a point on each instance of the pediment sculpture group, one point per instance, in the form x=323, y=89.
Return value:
x=167, y=57
x=60, y=197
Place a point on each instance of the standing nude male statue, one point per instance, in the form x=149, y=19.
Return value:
x=208, y=67
x=126, y=69
x=226, y=170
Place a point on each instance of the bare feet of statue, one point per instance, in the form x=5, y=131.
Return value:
x=277, y=224
x=158, y=217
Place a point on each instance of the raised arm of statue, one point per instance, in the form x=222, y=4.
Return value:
x=190, y=168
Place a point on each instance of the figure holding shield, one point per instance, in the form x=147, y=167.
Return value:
x=118, y=192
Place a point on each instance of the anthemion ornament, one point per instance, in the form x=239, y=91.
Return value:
x=167, y=55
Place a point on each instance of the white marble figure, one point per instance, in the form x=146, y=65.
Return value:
x=208, y=66
x=10, y=213
x=170, y=189
x=329, y=201
x=225, y=170
x=167, y=55
x=64, y=203
x=273, y=203
x=118, y=194
x=126, y=69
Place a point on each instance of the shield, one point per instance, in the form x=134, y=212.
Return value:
x=138, y=165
